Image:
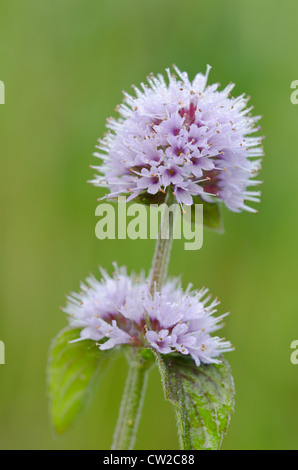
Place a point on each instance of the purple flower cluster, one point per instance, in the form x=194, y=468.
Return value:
x=185, y=136
x=121, y=310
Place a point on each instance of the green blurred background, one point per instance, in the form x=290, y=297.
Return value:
x=64, y=64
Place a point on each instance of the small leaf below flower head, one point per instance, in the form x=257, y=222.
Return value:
x=212, y=218
x=148, y=199
x=203, y=398
x=73, y=373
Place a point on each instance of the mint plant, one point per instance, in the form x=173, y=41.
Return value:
x=175, y=141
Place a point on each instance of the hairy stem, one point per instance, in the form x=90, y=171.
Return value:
x=131, y=404
x=163, y=248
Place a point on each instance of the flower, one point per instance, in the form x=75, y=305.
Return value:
x=184, y=137
x=121, y=310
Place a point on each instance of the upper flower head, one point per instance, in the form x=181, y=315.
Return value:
x=116, y=311
x=185, y=136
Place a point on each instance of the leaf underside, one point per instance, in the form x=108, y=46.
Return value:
x=73, y=373
x=203, y=398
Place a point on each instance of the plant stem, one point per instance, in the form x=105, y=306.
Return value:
x=163, y=248
x=131, y=404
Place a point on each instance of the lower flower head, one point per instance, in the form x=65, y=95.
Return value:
x=121, y=310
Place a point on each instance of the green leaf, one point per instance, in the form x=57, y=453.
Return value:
x=203, y=398
x=211, y=214
x=73, y=373
x=148, y=199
